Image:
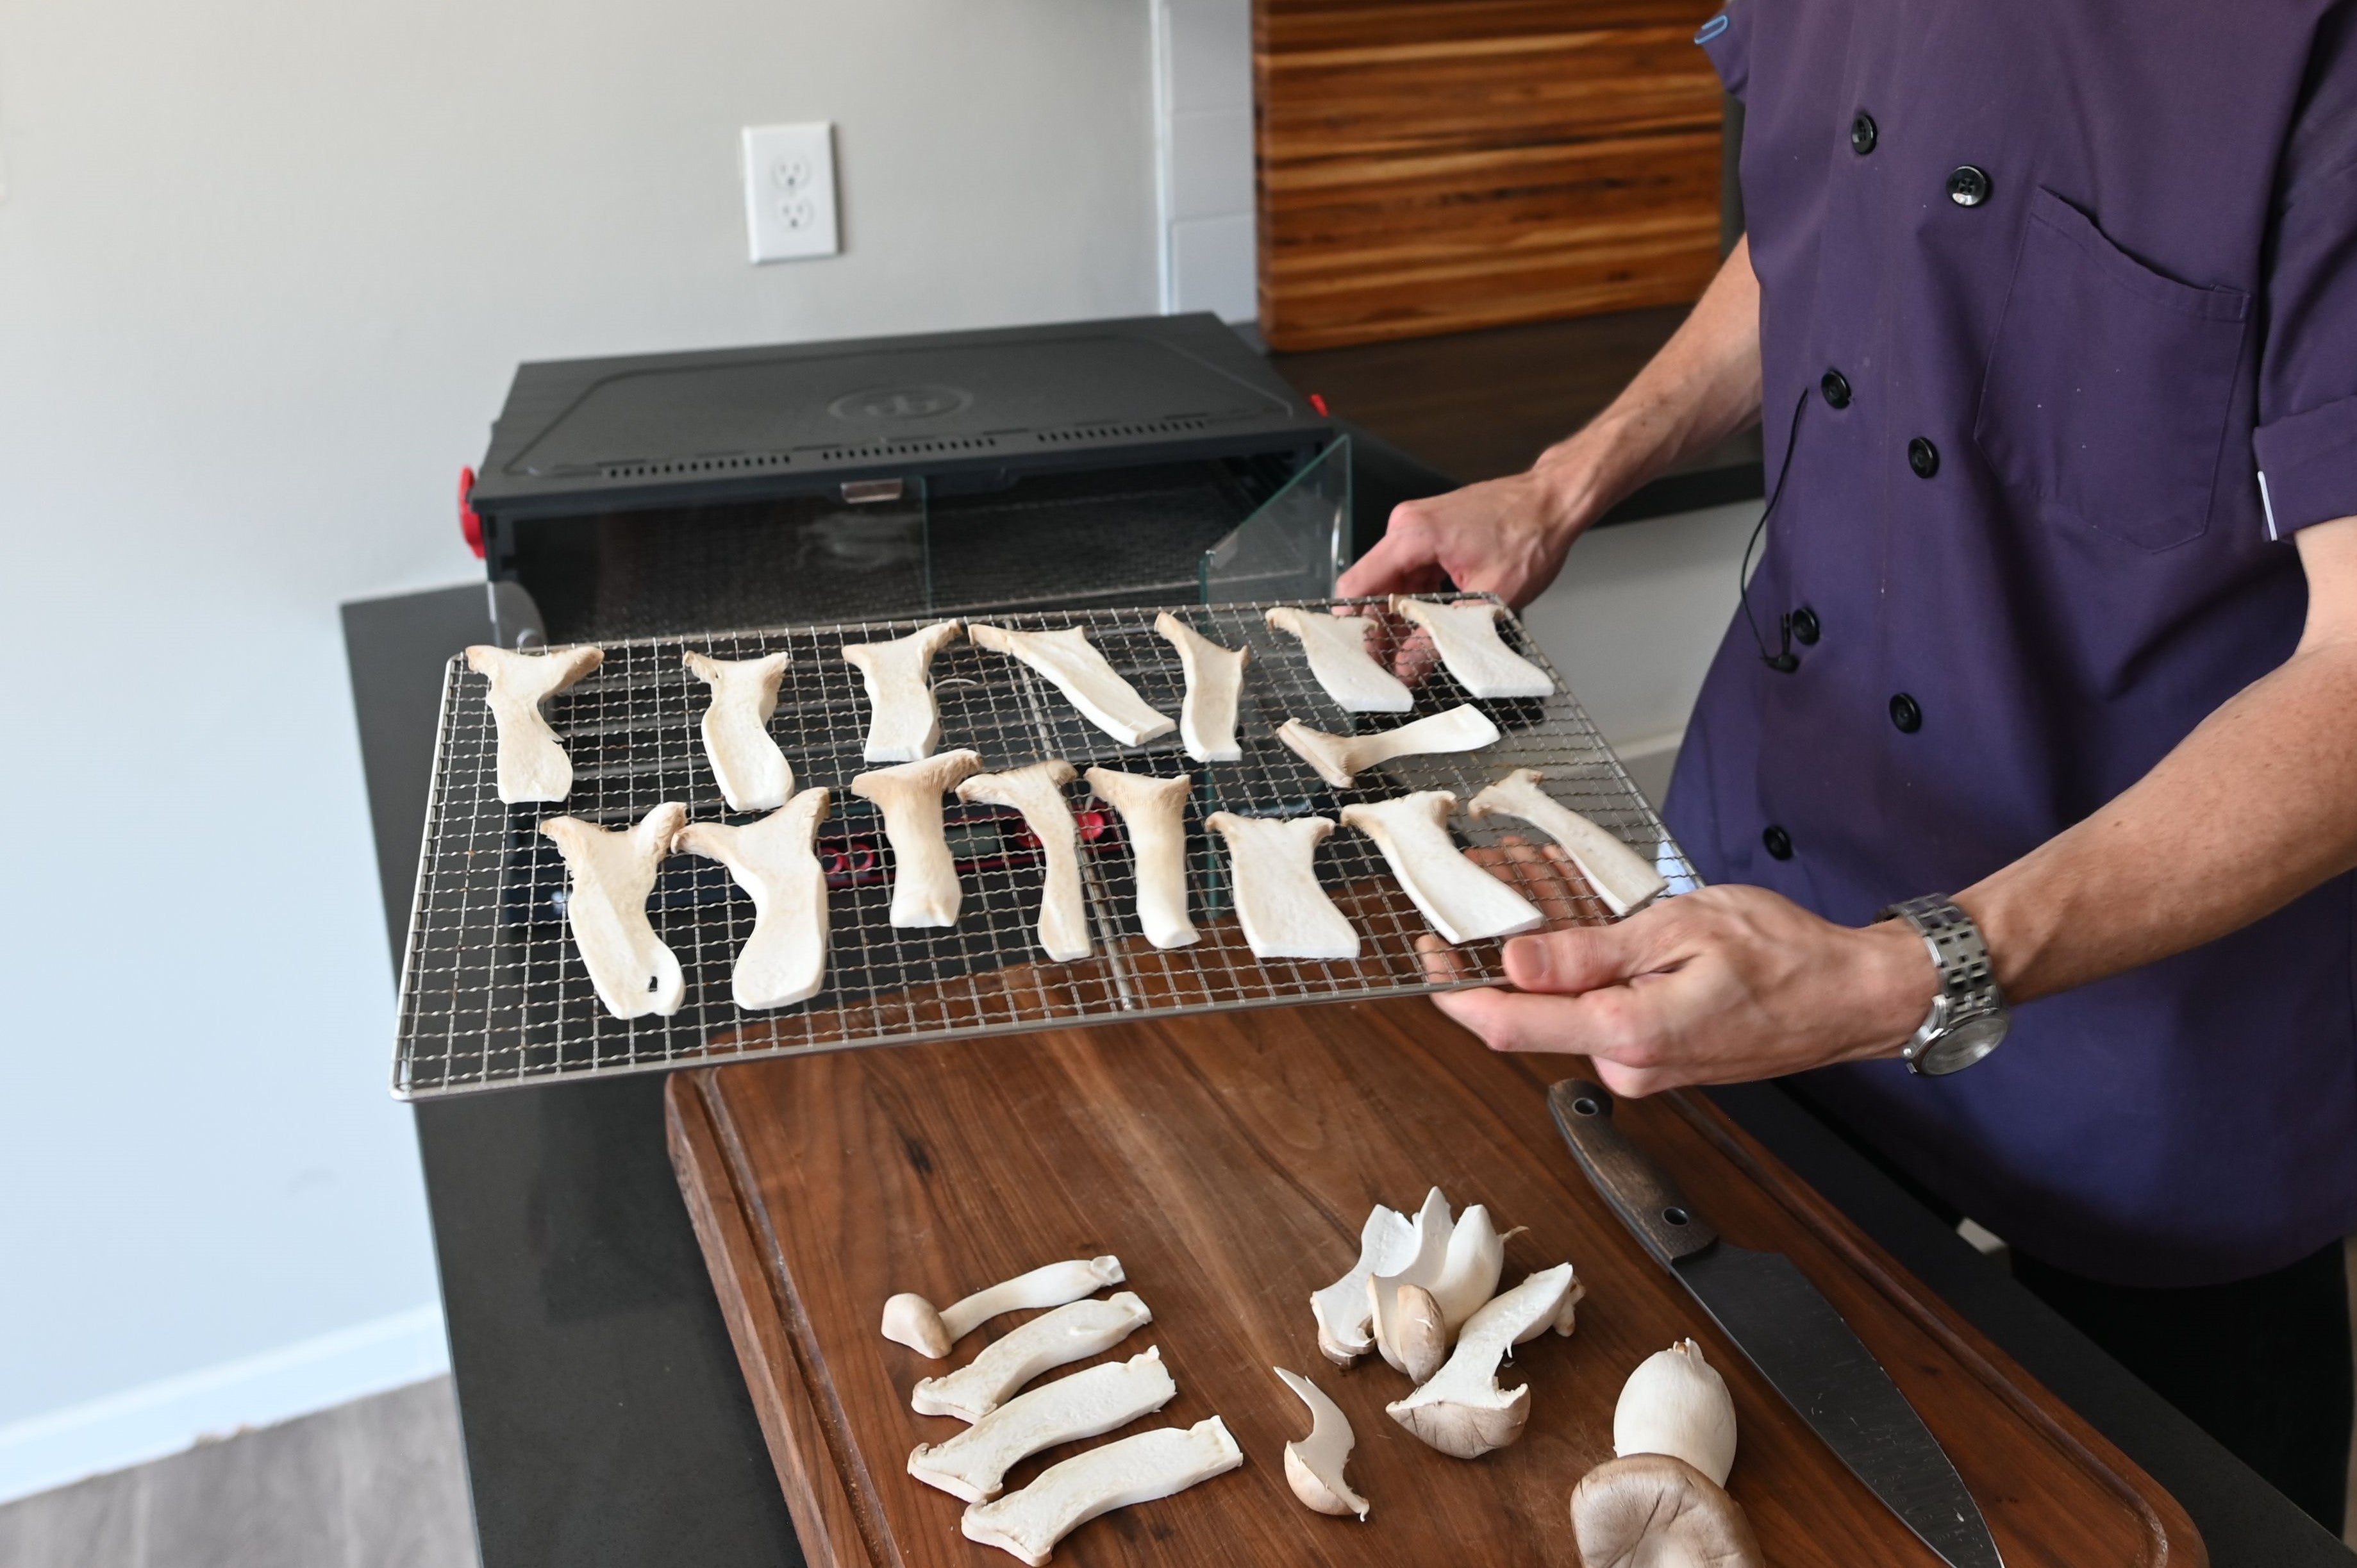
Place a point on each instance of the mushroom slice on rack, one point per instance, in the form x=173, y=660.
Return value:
x=1284, y=912
x=1343, y=1312
x=1038, y=792
x=1463, y=902
x=1337, y=647
x=1466, y=634
x=1072, y=664
x=1215, y=678
x=1340, y=758
x=925, y=890
x=754, y=774
x=1314, y=1465
x=903, y=724
x=784, y=961
x=1137, y=1469
x=909, y=1319
x=1624, y=880
x=1071, y=1333
x=1155, y=812
x=1461, y=1411
x=973, y=1465
x=613, y=872
x=533, y=763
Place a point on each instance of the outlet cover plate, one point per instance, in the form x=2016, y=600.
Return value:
x=790, y=191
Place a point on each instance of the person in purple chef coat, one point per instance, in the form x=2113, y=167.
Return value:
x=2026, y=776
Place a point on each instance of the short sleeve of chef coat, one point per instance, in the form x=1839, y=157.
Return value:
x=1727, y=39
x=2306, y=443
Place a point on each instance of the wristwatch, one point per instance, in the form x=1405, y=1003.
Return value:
x=1968, y=1019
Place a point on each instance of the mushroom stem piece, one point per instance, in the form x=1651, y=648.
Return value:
x=1215, y=677
x=1421, y=1268
x=1340, y=758
x=1467, y=637
x=903, y=724
x=533, y=763
x=1071, y=1333
x=1074, y=666
x=1461, y=1411
x=1463, y=902
x=1284, y=912
x=1156, y=812
x=1676, y=1403
x=1343, y=1309
x=1137, y=1469
x=924, y=877
x=1624, y=880
x=973, y=1465
x=613, y=873
x=784, y=961
x=1337, y=648
x=754, y=774
x=1657, y=1512
x=911, y=1320
x=1038, y=792
x=1314, y=1465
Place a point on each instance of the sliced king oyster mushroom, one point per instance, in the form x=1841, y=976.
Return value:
x=1038, y=792
x=1460, y=1409
x=903, y=723
x=1215, y=679
x=1463, y=902
x=1073, y=1332
x=1314, y=1465
x=1340, y=758
x=1284, y=912
x=775, y=862
x=1466, y=634
x=973, y=1465
x=612, y=874
x=1155, y=812
x=925, y=891
x=909, y=1319
x=1129, y=1470
x=1337, y=649
x=1343, y=1312
x=1074, y=666
x=1421, y=1268
x=533, y=763
x=1624, y=880
x=754, y=774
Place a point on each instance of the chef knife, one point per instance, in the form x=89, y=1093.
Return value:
x=1791, y=1332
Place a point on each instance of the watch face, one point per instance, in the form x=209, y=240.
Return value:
x=1962, y=1045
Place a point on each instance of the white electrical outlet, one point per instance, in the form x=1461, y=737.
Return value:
x=790, y=191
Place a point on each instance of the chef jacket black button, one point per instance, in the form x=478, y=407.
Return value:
x=1835, y=388
x=1923, y=457
x=1779, y=843
x=1861, y=134
x=1967, y=186
x=1805, y=629
x=1907, y=714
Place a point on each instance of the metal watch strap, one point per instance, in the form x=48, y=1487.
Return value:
x=1968, y=990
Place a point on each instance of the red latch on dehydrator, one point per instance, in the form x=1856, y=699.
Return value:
x=470, y=522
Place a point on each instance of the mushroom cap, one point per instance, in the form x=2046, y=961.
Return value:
x=1651, y=1510
x=909, y=1319
x=1422, y=1332
x=1465, y=1431
x=1312, y=1489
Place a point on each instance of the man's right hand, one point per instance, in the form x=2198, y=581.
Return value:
x=1503, y=536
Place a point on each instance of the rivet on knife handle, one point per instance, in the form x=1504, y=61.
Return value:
x=1645, y=1198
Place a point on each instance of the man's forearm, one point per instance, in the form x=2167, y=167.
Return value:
x=1701, y=388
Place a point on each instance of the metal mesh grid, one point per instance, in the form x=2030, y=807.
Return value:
x=493, y=993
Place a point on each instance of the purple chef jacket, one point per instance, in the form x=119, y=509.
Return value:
x=2086, y=271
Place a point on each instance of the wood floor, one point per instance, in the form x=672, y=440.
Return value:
x=378, y=1483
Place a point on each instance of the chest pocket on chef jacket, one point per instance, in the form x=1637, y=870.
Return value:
x=2109, y=390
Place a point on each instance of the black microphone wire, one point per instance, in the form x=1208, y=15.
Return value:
x=1783, y=660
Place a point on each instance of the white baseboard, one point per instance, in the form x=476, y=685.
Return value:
x=166, y=1416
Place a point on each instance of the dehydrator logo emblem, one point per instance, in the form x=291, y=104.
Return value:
x=900, y=403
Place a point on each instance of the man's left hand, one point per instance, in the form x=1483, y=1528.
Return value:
x=1722, y=985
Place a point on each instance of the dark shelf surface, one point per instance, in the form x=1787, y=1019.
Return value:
x=606, y=1422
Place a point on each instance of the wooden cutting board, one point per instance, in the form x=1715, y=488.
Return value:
x=1229, y=1161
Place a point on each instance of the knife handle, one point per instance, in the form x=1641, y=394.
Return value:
x=1640, y=1191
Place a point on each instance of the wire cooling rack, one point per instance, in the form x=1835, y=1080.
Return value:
x=493, y=993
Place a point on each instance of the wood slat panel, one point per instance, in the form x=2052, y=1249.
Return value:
x=1428, y=168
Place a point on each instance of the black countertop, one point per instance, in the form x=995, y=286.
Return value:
x=606, y=1422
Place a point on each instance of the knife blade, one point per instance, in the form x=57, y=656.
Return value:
x=1791, y=1332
